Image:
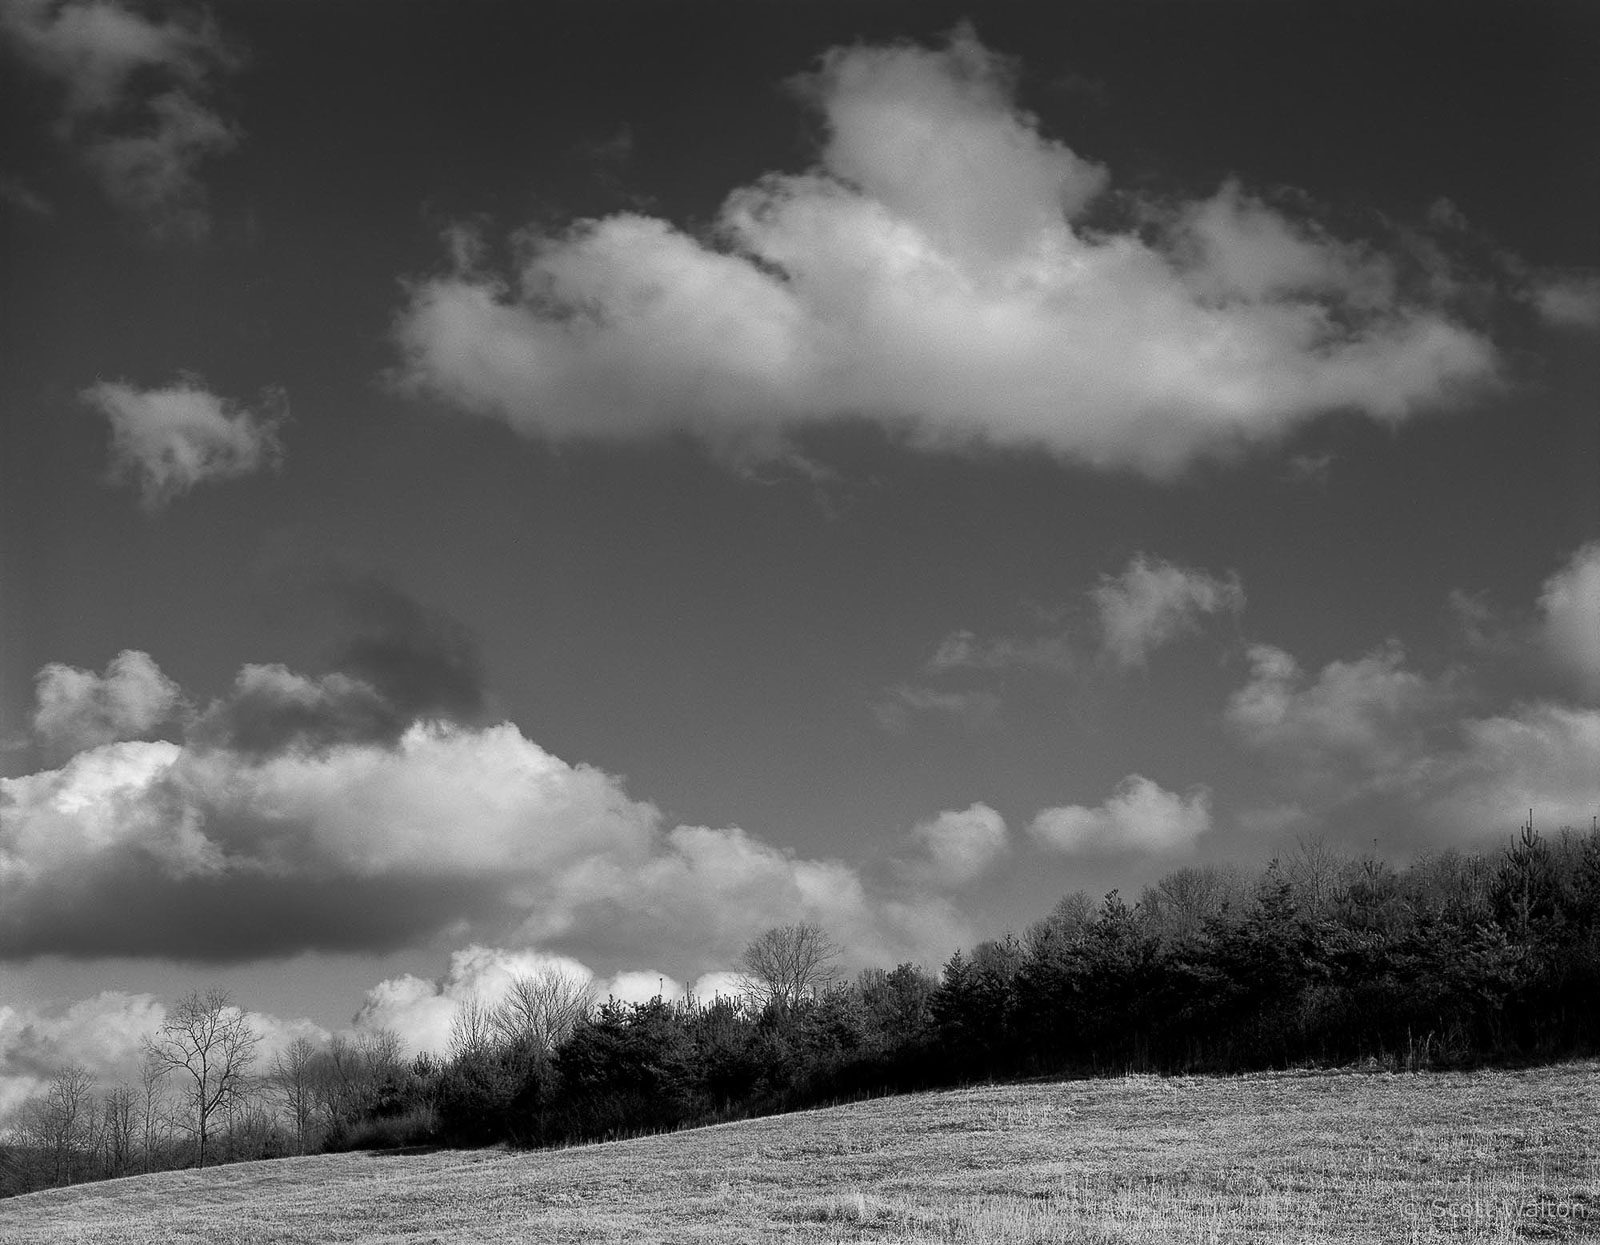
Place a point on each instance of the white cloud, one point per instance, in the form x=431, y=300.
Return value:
x=79, y=709
x=103, y=801
x=935, y=272
x=1139, y=816
x=1569, y=610
x=640, y=986
x=705, y=892
x=958, y=846
x=1542, y=756
x=134, y=97
x=105, y=1036
x=1237, y=247
x=102, y=1034
x=421, y=1011
x=166, y=441
x=333, y=838
x=935, y=139
x=1370, y=744
x=1368, y=711
x=723, y=983
x=1154, y=602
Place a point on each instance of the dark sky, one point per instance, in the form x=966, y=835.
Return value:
x=602, y=479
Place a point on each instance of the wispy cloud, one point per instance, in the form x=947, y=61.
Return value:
x=20, y=195
x=965, y=650
x=900, y=706
x=135, y=99
x=152, y=173
x=937, y=271
x=1569, y=300
x=166, y=441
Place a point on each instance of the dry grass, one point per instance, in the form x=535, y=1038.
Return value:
x=1471, y=1157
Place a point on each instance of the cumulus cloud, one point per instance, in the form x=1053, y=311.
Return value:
x=402, y=663
x=78, y=709
x=941, y=270
x=293, y=815
x=723, y=983
x=166, y=441
x=1569, y=611
x=1428, y=770
x=105, y=1035
x=1139, y=816
x=1368, y=711
x=705, y=892
x=421, y=1011
x=1153, y=603
x=958, y=846
x=135, y=98
x=272, y=709
x=640, y=985
x=1540, y=756
x=1370, y=743
x=102, y=1034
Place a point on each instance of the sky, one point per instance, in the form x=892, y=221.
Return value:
x=497, y=485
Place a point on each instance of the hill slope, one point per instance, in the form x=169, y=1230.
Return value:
x=1495, y=1156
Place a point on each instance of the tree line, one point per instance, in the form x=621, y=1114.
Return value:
x=1317, y=959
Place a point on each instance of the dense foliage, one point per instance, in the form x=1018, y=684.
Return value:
x=1456, y=959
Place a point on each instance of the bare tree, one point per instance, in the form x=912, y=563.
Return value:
x=1314, y=869
x=1182, y=903
x=381, y=1052
x=788, y=963
x=207, y=1044
x=336, y=1079
x=152, y=1076
x=60, y=1123
x=542, y=1008
x=120, y=1113
x=471, y=1028
x=293, y=1076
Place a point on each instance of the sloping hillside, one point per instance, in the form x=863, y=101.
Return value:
x=1496, y=1156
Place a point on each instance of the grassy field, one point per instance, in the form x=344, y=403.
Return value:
x=1479, y=1157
